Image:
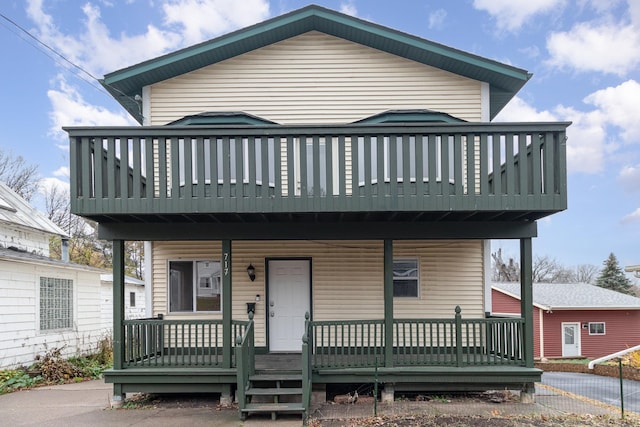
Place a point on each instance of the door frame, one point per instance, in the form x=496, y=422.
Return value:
x=266, y=279
x=578, y=338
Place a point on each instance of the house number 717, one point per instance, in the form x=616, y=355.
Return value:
x=226, y=263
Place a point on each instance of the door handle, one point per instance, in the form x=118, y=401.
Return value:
x=272, y=314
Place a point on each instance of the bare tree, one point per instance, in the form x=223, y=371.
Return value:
x=504, y=272
x=84, y=245
x=544, y=270
x=586, y=273
x=18, y=175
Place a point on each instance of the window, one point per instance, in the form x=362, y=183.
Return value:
x=132, y=299
x=405, y=278
x=194, y=286
x=596, y=328
x=56, y=303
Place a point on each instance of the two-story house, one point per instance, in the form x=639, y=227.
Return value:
x=340, y=181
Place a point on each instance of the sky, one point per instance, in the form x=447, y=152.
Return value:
x=584, y=56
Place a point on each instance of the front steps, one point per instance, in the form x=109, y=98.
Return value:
x=274, y=393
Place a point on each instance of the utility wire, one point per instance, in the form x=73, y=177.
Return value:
x=64, y=58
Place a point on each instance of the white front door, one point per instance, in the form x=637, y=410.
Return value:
x=289, y=299
x=570, y=339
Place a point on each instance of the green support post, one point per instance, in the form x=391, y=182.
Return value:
x=388, y=303
x=227, y=315
x=526, y=300
x=118, y=304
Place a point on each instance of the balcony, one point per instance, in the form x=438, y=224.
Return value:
x=271, y=173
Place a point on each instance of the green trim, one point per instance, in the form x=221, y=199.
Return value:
x=388, y=303
x=526, y=298
x=227, y=332
x=217, y=119
x=118, y=304
x=504, y=80
x=319, y=230
x=410, y=116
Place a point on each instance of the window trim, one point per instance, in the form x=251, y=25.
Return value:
x=194, y=262
x=417, y=279
x=73, y=325
x=604, y=328
x=132, y=299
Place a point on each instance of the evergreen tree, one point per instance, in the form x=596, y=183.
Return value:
x=612, y=277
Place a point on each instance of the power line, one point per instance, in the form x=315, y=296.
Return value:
x=65, y=59
x=52, y=50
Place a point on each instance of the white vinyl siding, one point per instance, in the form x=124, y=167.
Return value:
x=315, y=78
x=347, y=277
x=21, y=337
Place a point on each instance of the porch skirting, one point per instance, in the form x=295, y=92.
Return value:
x=423, y=379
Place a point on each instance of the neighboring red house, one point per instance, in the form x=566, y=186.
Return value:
x=574, y=319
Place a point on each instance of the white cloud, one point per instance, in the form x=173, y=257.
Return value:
x=349, y=8
x=93, y=48
x=620, y=106
x=62, y=171
x=632, y=217
x=70, y=109
x=191, y=21
x=629, y=178
x=201, y=19
x=510, y=15
x=436, y=19
x=49, y=183
x=606, y=47
x=585, y=137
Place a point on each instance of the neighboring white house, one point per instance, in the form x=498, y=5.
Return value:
x=134, y=298
x=45, y=303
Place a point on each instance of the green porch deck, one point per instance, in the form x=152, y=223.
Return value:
x=428, y=355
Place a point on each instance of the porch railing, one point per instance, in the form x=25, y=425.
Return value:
x=245, y=358
x=158, y=342
x=185, y=169
x=417, y=342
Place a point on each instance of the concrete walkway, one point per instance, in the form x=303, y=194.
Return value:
x=87, y=404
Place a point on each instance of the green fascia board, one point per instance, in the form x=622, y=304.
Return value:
x=504, y=80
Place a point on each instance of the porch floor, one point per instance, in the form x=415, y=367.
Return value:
x=293, y=361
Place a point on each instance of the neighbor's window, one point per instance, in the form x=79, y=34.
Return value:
x=405, y=278
x=56, y=303
x=596, y=328
x=132, y=299
x=194, y=286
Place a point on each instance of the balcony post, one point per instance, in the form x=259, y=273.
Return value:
x=526, y=300
x=227, y=315
x=388, y=303
x=118, y=314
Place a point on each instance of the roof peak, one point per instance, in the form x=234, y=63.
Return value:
x=504, y=80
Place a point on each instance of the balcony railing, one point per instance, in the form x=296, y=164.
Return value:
x=299, y=169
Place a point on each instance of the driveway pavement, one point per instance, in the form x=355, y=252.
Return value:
x=596, y=387
x=87, y=404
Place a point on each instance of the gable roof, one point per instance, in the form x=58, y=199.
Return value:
x=572, y=296
x=504, y=80
x=16, y=210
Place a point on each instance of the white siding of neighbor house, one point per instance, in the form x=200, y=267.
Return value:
x=25, y=239
x=314, y=78
x=347, y=277
x=106, y=302
x=20, y=337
